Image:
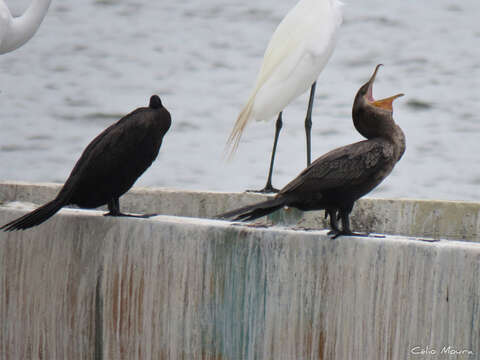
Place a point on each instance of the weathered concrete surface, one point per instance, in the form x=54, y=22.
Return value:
x=83, y=286
x=420, y=218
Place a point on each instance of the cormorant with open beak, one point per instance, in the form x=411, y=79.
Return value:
x=334, y=181
x=109, y=165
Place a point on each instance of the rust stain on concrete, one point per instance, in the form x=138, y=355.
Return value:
x=321, y=345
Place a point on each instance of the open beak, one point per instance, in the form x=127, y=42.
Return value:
x=386, y=103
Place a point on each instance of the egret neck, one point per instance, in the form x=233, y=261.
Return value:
x=18, y=30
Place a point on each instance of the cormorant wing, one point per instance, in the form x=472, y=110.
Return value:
x=349, y=165
x=107, y=151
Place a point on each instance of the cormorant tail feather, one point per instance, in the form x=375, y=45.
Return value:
x=255, y=211
x=35, y=217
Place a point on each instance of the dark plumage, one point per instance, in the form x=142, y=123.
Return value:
x=337, y=179
x=109, y=165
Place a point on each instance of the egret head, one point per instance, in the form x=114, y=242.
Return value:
x=369, y=115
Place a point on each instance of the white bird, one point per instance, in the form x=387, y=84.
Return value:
x=298, y=51
x=14, y=32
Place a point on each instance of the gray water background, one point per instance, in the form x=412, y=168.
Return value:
x=93, y=61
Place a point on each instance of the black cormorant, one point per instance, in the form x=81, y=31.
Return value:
x=337, y=179
x=109, y=165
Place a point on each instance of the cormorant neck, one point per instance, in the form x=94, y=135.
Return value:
x=367, y=120
x=23, y=28
x=372, y=123
x=398, y=139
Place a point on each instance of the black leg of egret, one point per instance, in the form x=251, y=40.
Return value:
x=308, y=123
x=114, y=210
x=268, y=187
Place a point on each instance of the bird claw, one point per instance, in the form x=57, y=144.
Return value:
x=335, y=234
x=266, y=190
x=146, y=216
x=143, y=216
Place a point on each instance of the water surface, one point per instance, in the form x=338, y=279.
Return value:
x=93, y=61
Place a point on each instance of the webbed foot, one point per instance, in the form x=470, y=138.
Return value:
x=268, y=189
x=120, y=214
x=335, y=234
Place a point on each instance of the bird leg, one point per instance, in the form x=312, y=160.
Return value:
x=333, y=221
x=308, y=124
x=345, y=226
x=268, y=187
x=114, y=210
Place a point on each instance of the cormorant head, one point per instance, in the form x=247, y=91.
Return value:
x=370, y=115
x=155, y=102
x=161, y=114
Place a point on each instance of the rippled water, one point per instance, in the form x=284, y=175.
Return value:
x=93, y=61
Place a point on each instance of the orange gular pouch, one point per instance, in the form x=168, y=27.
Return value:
x=386, y=103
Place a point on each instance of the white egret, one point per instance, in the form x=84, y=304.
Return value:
x=298, y=51
x=16, y=31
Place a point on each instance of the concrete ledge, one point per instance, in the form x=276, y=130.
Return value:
x=83, y=286
x=415, y=218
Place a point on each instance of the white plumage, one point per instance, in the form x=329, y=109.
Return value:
x=14, y=32
x=298, y=51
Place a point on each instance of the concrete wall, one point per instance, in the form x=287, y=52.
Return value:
x=83, y=286
x=459, y=220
